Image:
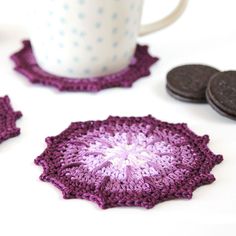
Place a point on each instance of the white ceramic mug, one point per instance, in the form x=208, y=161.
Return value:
x=89, y=38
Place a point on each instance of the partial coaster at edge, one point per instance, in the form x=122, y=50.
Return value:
x=25, y=63
x=8, y=118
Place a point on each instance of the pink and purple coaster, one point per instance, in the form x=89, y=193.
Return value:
x=136, y=161
x=25, y=63
x=8, y=118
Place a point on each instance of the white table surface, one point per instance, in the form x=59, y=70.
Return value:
x=205, y=34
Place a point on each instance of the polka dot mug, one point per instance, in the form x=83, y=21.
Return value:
x=89, y=38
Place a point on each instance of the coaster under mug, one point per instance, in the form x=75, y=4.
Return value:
x=26, y=64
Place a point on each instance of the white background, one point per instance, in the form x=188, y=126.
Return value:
x=205, y=34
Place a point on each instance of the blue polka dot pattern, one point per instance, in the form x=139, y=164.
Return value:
x=102, y=33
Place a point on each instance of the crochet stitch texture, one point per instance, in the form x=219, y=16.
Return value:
x=127, y=161
x=25, y=63
x=8, y=119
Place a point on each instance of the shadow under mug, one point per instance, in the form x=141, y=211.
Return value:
x=90, y=38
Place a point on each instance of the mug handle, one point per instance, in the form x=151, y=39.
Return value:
x=168, y=20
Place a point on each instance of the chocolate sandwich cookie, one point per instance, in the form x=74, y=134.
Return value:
x=189, y=82
x=221, y=93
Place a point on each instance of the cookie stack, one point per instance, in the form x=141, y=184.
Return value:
x=204, y=84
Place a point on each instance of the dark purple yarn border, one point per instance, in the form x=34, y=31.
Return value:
x=25, y=64
x=6, y=110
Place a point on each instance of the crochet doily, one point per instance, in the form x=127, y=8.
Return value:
x=127, y=161
x=25, y=63
x=8, y=119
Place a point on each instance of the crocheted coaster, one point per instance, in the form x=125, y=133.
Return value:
x=127, y=161
x=8, y=119
x=26, y=64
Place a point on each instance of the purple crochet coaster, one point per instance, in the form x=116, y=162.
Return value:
x=26, y=64
x=8, y=119
x=127, y=161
